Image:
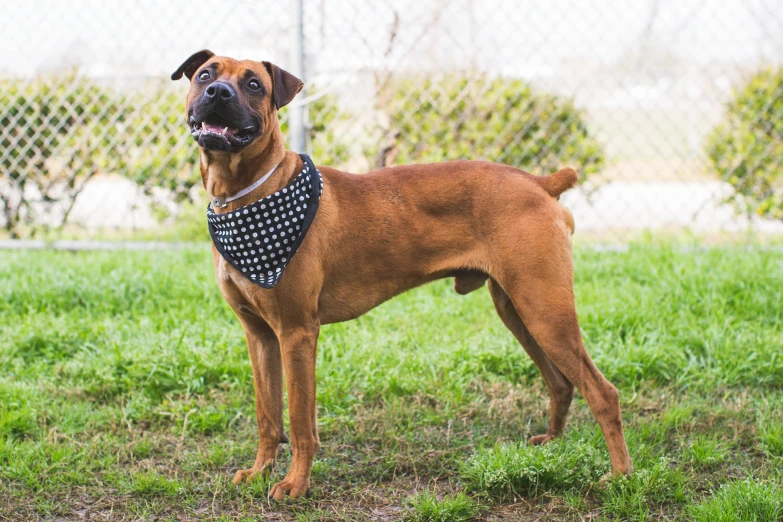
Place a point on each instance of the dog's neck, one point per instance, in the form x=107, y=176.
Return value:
x=225, y=174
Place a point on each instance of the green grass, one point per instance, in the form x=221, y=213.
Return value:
x=744, y=501
x=506, y=471
x=126, y=393
x=654, y=489
x=453, y=508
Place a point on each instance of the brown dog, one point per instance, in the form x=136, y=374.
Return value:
x=375, y=236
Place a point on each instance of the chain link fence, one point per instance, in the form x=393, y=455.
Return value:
x=672, y=112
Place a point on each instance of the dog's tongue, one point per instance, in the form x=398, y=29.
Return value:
x=227, y=131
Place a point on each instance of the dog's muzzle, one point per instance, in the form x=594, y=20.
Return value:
x=218, y=121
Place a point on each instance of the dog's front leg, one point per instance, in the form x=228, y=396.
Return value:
x=264, y=351
x=298, y=348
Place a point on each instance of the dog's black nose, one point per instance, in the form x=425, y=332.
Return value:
x=220, y=91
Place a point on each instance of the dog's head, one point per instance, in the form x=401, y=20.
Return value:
x=231, y=103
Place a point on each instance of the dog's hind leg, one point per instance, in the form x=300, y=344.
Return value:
x=540, y=287
x=561, y=391
x=264, y=351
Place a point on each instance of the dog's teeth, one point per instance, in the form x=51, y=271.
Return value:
x=203, y=126
x=224, y=131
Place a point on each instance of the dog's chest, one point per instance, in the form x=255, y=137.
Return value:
x=230, y=281
x=237, y=290
x=222, y=270
x=259, y=239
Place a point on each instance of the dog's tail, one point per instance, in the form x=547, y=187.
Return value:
x=558, y=182
x=555, y=185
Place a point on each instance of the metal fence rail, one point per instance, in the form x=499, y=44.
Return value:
x=641, y=98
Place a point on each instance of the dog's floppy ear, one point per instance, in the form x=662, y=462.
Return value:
x=284, y=85
x=189, y=66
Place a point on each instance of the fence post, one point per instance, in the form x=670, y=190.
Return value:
x=296, y=113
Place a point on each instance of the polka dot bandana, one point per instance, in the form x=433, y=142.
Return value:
x=260, y=239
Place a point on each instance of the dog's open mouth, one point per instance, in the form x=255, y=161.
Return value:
x=219, y=135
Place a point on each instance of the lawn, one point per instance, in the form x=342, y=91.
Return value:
x=126, y=393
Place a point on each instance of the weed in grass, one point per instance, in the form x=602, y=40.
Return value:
x=451, y=508
x=771, y=437
x=707, y=451
x=576, y=500
x=150, y=483
x=637, y=496
x=214, y=456
x=316, y=515
x=259, y=487
x=18, y=424
x=512, y=470
x=678, y=415
x=18, y=417
x=142, y=448
x=210, y=419
x=741, y=501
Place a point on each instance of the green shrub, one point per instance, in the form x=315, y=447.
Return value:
x=61, y=131
x=746, y=150
x=54, y=130
x=64, y=130
x=476, y=117
x=157, y=150
x=327, y=143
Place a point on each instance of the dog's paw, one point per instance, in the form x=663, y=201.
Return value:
x=246, y=476
x=293, y=487
x=539, y=440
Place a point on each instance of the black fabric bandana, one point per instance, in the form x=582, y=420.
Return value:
x=260, y=239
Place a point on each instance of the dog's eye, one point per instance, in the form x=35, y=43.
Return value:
x=254, y=84
x=203, y=75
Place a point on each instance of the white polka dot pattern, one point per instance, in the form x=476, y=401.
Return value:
x=260, y=239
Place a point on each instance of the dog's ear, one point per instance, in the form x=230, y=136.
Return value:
x=284, y=85
x=189, y=66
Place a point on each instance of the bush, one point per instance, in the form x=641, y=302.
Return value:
x=157, y=149
x=59, y=132
x=323, y=132
x=52, y=130
x=746, y=150
x=475, y=117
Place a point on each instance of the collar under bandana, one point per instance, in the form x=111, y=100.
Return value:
x=260, y=239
